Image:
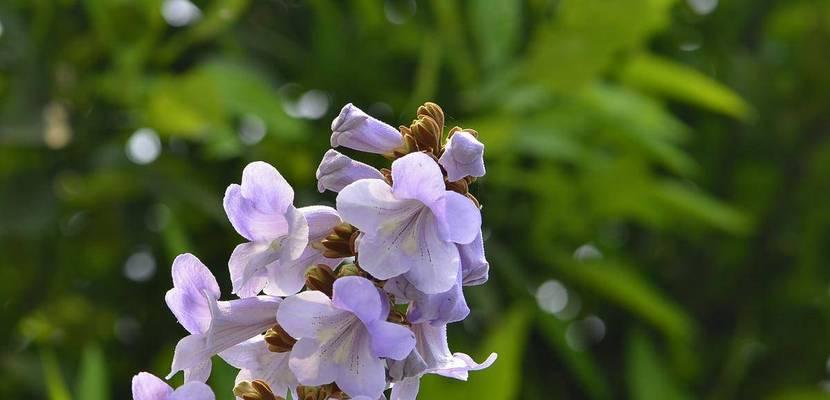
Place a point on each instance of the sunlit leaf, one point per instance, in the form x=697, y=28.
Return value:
x=690, y=203
x=647, y=374
x=624, y=287
x=683, y=83
x=585, y=35
x=55, y=384
x=93, y=381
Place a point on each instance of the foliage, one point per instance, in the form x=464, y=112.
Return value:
x=668, y=168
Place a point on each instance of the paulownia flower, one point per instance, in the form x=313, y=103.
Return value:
x=355, y=129
x=214, y=325
x=463, y=156
x=437, y=309
x=147, y=386
x=256, y=362
x=344, y=339
x=431, y=356
x=261, y=210
x=336, y=171
x=411, y=227
x=474, y=266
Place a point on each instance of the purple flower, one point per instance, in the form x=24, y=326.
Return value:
x=147, y=386
x=437, y=309
x=411, y=227
x=344, y=339
x=474, y=266
x=463, y=156
x=431, y=356
x=214, y=325
x=255, y=361
x=336, y=171
x=261, y=210
x=355, y=129
x=284, y=276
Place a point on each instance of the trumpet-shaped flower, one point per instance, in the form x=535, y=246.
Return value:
x=147, y=386
x=474, y=266
x=256, y=362
x=431, y=356
x=214, y=325
x=355, y=129
x=336, y=171
x=261, y=210
x=437, y=309
x=344, y=339
x=463, y=156
x=411, y=227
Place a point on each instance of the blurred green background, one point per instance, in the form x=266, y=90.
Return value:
x=656, y=205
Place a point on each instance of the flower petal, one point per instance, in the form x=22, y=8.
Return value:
x=255, y=361
x=250, y=222
x=191, y=282
x=267, y=190
x=433, y=264
x=463, y=156
x=440, y=308
x=474, y=266
x=336, y=171
x=361, y=373
x=248, y=266
x=405, y=390
x=369, y=205
x=459, y=216
x=416, y=176
x=355, y=129
x=461, y=364
x=147, y=386
x=359, y=296
x=391, y=340
x=304, y=314
x=190, y=356
x=321, y=220
x=308, y=365
x=235, y=321
x=193, y=391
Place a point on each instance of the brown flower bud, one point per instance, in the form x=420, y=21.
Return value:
x=278, y=340
x=339, y=243
x=254, y=390
x=349, y=270
x=323, y=392
x=320, y=277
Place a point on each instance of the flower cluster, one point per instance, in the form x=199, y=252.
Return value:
x=340, y=303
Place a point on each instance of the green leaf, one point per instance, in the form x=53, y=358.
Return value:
x=55, y=385
x=586, y=35
x=806, y=393
x=93, y=380
x=222, y=378
x=691, y=203
x=499, y=382
x=496, y=25
x=647, y=375
x=622, y=286
x=680, y=82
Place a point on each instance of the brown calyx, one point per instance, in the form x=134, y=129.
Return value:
x=278, y=340
x=255, y=390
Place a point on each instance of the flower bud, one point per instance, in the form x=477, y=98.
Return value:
x=349, y=270
x=279, y=341
x=254, y=390
x=337, y=171
x=463, y=156
x=323, y=392
x=355, y=129
x=320, y=278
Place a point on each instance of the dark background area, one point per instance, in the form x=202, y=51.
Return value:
x=656, y=206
